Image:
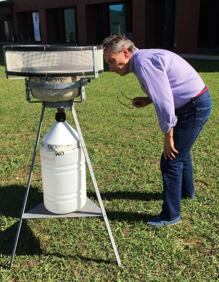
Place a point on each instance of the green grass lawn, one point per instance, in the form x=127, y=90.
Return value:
x=124, y=146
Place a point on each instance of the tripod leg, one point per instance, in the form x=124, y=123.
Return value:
x=28, y=188
x=96, y=186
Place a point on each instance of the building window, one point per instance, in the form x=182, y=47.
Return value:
x=70, y=25
x=36, y=26
x=61, y=25
x=6, y=30
x=117, y=18
x=120, y=19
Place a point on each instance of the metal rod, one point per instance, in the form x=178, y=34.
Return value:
x=95, y=68
x=28, y=187
x=96, y=186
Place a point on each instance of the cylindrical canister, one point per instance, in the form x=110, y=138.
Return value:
x=63, y=170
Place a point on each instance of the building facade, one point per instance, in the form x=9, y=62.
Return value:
x=181, y=25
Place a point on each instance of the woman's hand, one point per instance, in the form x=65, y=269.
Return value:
x=140, y=102
x=169, y=149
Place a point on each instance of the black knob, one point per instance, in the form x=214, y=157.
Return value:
x=60, y=116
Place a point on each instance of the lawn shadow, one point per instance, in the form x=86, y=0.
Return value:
x=11, y=200
x=126, y=195
x=128, y=216
x=76, y=257
x=28, y=244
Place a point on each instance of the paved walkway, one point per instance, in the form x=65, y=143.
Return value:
x=200, y=57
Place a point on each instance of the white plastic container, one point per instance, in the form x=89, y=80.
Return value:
x=63, y=170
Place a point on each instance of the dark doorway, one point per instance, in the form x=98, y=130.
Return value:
x=160, y=23
x=208, y=24
x=97, y=23
x=25, y=31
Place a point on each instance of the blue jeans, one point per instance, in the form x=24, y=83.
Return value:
x=177, y=174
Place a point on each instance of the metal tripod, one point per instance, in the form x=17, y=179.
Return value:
x=90, y=209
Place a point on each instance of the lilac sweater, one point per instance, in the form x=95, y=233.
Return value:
x=168, y=80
